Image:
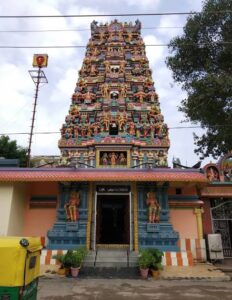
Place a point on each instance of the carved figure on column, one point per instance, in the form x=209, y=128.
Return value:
x=105, y=120
x=123, y=90
x=153, y=208
x=72, y=207
x=105, y=90
x=140, y=95
x=122, y=118
x=89, y=97
x=107, y=66
x=122, y=66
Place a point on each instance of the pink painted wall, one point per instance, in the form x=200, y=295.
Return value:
x=184, y=221
x=186, y=190
x=39, y=220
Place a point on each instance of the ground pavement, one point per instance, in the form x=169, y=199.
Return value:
x=202, y=281
x=115, y=289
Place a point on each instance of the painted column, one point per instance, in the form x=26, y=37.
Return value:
x=89, y=222
x=135, y=204
x=198, y=212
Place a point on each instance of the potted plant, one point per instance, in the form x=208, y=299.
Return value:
x=156, y=264
x=67, y=262
x=144, y=262
x=76, y=260
x=61, y=260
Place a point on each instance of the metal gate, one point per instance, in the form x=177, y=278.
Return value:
x=222, y=223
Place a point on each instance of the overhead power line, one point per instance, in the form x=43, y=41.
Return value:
x=80, y=29
x=82, y=46
x=111, y=15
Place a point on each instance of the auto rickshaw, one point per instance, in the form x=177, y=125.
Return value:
x=19, y=267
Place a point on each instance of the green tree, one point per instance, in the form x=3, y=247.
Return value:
x=10, y=149
x=201, y=61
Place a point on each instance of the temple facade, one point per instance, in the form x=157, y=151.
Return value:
x=112, y=186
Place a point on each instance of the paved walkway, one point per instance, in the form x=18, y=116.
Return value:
x=120, y=289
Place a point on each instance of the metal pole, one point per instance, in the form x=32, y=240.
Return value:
x=95, y=223
x=33, y=117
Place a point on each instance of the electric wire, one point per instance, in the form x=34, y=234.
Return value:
x=111, y=15
x=82, y=46
x=81, y=29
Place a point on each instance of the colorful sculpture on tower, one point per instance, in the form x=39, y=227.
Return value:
x=115, y=103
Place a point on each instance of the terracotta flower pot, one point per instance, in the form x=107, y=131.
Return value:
x=155, y=273
x=67, y=271
x=61, y=271
x=75, y=271
x=144, y=273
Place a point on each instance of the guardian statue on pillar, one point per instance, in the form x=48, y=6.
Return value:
x=153, y=208
x=72, y=207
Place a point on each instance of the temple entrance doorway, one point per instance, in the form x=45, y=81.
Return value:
x=113, y=219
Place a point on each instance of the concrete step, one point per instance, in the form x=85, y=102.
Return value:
x=111, y=258
x=108, y=258
x=110, y=272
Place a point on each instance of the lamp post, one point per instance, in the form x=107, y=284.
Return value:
x=38, y=76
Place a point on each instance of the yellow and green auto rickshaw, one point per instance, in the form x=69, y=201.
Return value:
x=19, y=267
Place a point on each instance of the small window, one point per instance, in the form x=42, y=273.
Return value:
x=43, y=201
x=114, y=69
x=178, y=191
x=113, y=129
x=114, y=95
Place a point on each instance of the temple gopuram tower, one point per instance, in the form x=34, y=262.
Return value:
x=114, y=120
x=115, y=186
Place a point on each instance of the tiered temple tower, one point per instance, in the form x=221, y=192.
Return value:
x=114, y=124
x=114, y=119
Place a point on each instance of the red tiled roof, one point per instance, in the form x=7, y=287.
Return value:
x=30, y=175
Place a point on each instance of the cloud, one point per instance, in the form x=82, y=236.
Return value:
x=154, y=54
x=149, y=4
x=17, y=88
x=170, y=22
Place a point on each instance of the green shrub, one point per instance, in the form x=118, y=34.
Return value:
x=68, y=259
x=157, y=255
x=78, y=256
x=60, y=258
x=145, y=259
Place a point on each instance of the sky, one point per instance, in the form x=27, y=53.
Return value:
x=18, y=89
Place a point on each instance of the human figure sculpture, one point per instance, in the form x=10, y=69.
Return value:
x=113, y=159
x=89, y=97
x=131, y=128
x=153, y=96
x=71, y=207
x=93, y=70
x=123, y=90
x=140, y=95
x=162, y=159
x=105, y=120
x=107, y=66
x=105, y=90
x=153, y=208
x=105, y=159
x=122, y=159
x=122, y=118
x=122, y=66
x=74, y=110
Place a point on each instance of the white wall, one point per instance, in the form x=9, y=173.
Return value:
x=12, y=208
x=6, y=195
x=17, y=213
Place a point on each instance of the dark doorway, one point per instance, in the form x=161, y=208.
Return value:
x=113, y=219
